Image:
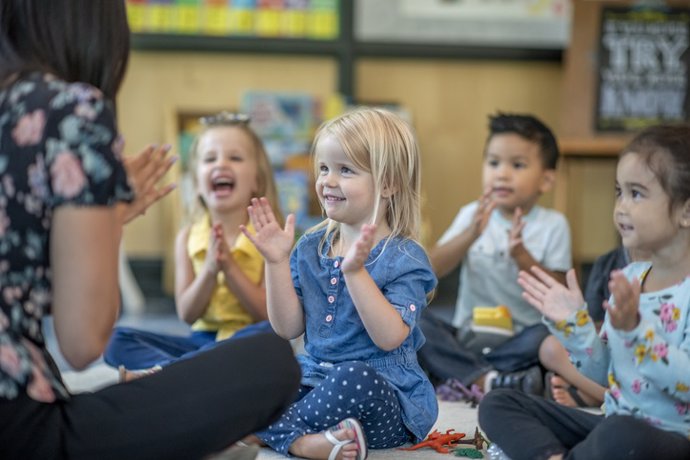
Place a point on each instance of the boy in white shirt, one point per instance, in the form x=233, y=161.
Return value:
x=493, y=238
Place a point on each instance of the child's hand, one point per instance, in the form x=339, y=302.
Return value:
x=625, y=315
x=222, y=251
x=550, y=297
x=211, y=260
x=359, y=251
x=273, y=242
x=483, y=213
x=515, y=232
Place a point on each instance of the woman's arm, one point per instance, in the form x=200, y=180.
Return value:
x=84, y=250
x=84, y=261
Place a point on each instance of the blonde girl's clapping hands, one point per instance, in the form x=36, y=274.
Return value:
x=625, y=315
x=359, y=251
x=554, y=300
x=270, y=239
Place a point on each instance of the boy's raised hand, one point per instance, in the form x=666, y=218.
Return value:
x=554, y=300
x=483, y=213
x=515, y=232
x=273, y=242
x=359, y=251
x=625, y=314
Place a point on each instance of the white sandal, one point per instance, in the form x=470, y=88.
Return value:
x=360, y=439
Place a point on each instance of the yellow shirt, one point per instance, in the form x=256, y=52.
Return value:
x=224, y=313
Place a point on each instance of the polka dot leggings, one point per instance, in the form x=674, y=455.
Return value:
x=352, y=389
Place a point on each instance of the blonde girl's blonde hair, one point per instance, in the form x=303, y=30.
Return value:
x=265, y=183
x=382, y=144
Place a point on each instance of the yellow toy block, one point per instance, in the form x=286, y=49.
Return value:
x=498, y=316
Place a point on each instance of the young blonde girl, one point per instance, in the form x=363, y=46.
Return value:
x=355, y=285
x=642, y=352
x=219, y=286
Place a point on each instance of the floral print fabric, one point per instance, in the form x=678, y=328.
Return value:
x=646, y=370
x=58, y=146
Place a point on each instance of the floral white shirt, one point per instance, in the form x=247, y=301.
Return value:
x=58, y=145
x=647, y=370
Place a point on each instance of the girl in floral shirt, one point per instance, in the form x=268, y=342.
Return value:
x=642, y=353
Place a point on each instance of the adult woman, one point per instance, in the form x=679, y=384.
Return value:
x=64, y=198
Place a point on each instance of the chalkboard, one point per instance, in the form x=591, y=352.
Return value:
x=644, y=61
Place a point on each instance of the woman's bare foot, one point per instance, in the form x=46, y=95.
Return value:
x=318, y=447
x=561, y=393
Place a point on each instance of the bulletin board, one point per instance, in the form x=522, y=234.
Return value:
x=497, y=23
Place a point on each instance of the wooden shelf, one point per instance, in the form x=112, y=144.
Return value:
x=605, y=147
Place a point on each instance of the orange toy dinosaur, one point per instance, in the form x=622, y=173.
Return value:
x=439, y=442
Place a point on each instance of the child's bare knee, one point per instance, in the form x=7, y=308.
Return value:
x=551, y=351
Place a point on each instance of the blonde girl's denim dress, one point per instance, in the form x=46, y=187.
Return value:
x=334, y=332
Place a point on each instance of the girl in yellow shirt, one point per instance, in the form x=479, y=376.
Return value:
x=219, y=287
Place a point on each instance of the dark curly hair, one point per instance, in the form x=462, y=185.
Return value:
x=528, y=127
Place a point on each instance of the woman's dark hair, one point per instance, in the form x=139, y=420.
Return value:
x=665, y=149
x=76, y=40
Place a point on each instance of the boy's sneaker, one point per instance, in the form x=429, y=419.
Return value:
x=528, y=380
